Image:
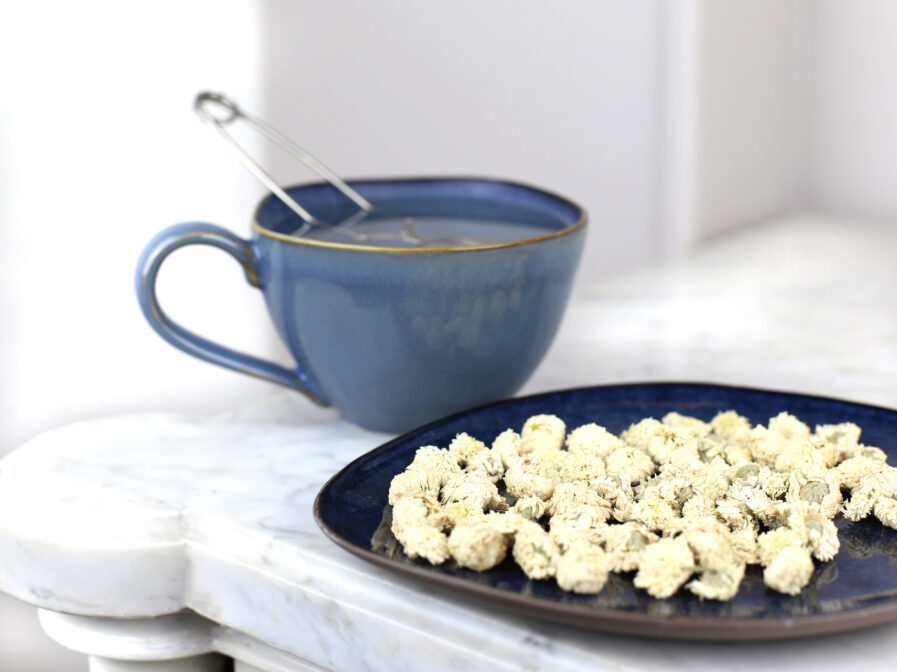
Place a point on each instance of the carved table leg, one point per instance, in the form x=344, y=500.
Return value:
x=179, y=642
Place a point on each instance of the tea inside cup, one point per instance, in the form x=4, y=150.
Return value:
x=425, y=223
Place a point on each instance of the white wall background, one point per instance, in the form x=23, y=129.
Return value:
x=852, y=158
x=794, y=108
x=670, y=121
x=753, y=80
x=565, y=97
x=99, y=150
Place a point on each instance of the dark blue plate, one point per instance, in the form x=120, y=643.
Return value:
x=856, y=589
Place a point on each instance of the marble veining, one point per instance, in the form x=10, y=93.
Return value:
x=143, y=515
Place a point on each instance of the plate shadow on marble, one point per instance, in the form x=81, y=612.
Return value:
x=858, y=588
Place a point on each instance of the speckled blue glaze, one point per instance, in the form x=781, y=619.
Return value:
x=859, y=586
x=395, y=339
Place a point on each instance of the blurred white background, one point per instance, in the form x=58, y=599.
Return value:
x=672, y=122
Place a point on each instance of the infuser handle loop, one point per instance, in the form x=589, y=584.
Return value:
x=207, y=103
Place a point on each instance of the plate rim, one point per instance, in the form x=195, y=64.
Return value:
x=681, y=627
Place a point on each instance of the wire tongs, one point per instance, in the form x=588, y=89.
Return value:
x=219, y=111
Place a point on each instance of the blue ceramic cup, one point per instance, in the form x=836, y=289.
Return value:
x=395, y=337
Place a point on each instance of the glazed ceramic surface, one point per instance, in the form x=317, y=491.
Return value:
x=396, y=337
x=857, y=588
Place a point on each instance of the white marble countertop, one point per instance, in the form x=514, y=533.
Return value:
x=144, y=515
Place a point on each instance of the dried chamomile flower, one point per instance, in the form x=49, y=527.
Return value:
x=654, y=513
x=683, y=494
x=718, y=584
x=436, y=459
x=675, y=490
x=816, y=531
x=414, y=481
x=861, y=502
x=675, y=444
x=458, y=513
x=744, y=545
x=687, y=454
x=711, y=451
x=766, y=445
x=716, y=462
x=508, y=446
x=416, y=509
x=773, y=483
x=796, y=454
x=844, y=436
x=531, y=508
x=735, y=512
x=428, y=471
x=854, y=469
x=580, y=467
x=737, y=453
x=574, y=496
x=430, y=468
x=789, y=426
x=664, y=566
x=566, y=538
x=622, y=509
x=489, y=463
x=530, y=477
x=747, y=473
x=417, y=520
x=662, y=443
x=474, y=488
x=826, y=454
x=625, y=544
x=545, y=432
x=555, y=460
x=874, y=453
x=611, y=488
x=508, y=523
x=885, y=510
x=643, y=433
x=592, y=439
x=698, y=506
x=617, y=492
x=424, y=542
x=729, y=425
x=697, y=426
x=582, y=569
x=740, y=492
x=709, y=543
x=630, y=464
x=577, y=524
x=868, y=491
x=709, y=479
x=819, y=488
x=463, y=447
x=888, y=479
x=767, y=511
x=477, y=545
x=535, y=552
x=770, y=544
x=711, y=524
x=790, y=571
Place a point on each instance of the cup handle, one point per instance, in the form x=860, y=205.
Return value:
x=198, y=233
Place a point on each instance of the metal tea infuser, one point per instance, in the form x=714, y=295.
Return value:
x=219, y=111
